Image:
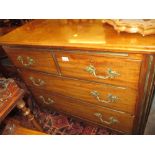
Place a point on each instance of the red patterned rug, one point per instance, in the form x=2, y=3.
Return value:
x=58, y=124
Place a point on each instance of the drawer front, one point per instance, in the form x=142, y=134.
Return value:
x=36, y=59
x=97, y=114
x=112, y=70
x=119, y=98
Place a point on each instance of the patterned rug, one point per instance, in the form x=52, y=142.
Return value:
x=58, y=124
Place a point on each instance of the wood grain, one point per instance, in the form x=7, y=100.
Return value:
x=77, y=63
x=86, y=43
x=10, y=103
x=93, y=35
x=82, y=90
x=38, y=55
x=84, y=110
x=20, y=130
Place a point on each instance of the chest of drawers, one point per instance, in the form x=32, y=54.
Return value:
x=87, y=71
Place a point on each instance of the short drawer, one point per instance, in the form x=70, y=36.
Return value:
x=35, y=59
x=97, y=67
x=102, y=116
x=118, y=98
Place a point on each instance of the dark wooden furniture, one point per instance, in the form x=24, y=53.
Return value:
x=6, y=68
x=11, y=96
x=86, y=70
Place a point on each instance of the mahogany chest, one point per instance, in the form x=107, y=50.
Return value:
x=86, y=70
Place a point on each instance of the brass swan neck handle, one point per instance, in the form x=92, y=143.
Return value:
x=110, y=73
x=29, y=60
x=110, y=98
x=111, y=121
x=37, y=82
x=48, y=102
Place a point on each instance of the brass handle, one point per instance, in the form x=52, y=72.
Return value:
x=112, y=120
x=110, y=98
x=37, y=82
x=110, y=73
x=29, y=60
x=48, y=102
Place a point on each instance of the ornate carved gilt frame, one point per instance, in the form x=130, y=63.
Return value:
x=142, y=26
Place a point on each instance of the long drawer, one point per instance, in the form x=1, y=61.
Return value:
x=119, y=98
x=93, y=113
x=35, y=59
x=98, y=67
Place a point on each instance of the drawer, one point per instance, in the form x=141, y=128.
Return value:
x=102, y=116
x=97, y=67
x=35, y=59
x=118, y=98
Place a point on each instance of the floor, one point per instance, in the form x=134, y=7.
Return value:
x=150, y=126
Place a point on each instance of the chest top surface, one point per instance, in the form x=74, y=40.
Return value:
x=89, y=35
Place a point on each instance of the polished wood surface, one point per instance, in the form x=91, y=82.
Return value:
x=63, y=52
x=82, y=90
x=38, y=57
x=20, y=130
x=149, y=88
x=128, y=68
x=10, y=94
x=93, y=35
x=84, y=110
x=14, y=127
x=28, y=114
x=6, y=109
